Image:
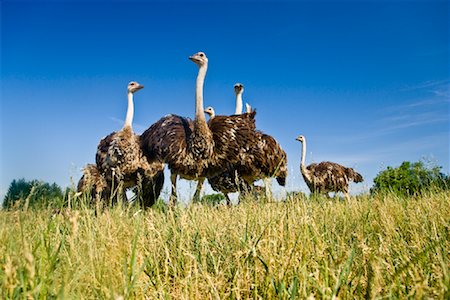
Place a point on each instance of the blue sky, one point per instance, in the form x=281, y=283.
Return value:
x=367, y=82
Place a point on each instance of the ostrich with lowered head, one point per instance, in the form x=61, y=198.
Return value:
x=93, y=183
x=326, y=176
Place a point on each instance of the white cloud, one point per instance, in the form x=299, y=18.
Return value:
x=138, y=128
x=427, y=85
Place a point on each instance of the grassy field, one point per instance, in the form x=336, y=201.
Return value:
x=372, y=247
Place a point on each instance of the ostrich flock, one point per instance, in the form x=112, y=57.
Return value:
x=228, y=151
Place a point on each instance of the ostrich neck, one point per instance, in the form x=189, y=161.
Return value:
x=130, y=111
x=199, y=110
x=238, y=110
x=302, y=163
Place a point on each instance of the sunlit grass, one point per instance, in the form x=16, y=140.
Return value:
x=373, y=247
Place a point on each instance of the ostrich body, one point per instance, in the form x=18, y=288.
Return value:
x=326, y=176
x=229, y=181
x=268, y=160
x=122, y=163
x=196, y=149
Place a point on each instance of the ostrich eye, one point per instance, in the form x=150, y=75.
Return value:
x=201, y=54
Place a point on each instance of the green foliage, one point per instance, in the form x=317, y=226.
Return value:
x=410, y=179
x=212, y=199
x=35, y=193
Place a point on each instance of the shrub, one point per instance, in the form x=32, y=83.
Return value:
x=410, y=179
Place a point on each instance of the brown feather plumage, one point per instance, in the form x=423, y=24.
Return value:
x=330, y=177
x=120, y=159
x=93, y=182
x=172, y=140
x=265, y=159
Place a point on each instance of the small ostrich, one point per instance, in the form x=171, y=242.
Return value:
x=327, y=176
x=196, y=149
x=122, y=163
x=93, y=182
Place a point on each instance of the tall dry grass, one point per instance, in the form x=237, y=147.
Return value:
x=372, y=247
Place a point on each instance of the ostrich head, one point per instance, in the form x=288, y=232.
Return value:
x=238, y=88
x=199, y=58
x=300, y=138
x=134, y=86
x=210, y=111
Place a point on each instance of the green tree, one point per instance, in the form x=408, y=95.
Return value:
x=410, y=179
x=37, y=193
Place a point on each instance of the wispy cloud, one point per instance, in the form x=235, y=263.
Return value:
x=385, y=151
x=429, y=85
x=430, y=109
x=391, y=125
x=138, y=128
x=394, y=123
x=427, y=102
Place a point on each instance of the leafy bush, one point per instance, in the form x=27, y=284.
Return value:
x=212, y=199
x=35, y=192
x=410, y=179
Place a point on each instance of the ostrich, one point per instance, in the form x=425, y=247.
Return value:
x=196, y=149
x=92, y=182
x=120, y=159
x=227, y=182
x=327, y=176
x=269, y=160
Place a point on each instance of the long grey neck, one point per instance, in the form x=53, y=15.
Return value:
x=238, y=110
x=130, y=111
x=199, y=110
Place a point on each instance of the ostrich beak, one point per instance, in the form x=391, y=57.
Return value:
x=194, y=59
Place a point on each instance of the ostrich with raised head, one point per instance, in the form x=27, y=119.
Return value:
x=196, y=149
x=268, y=160
x=122, y=163
x=326, y=176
